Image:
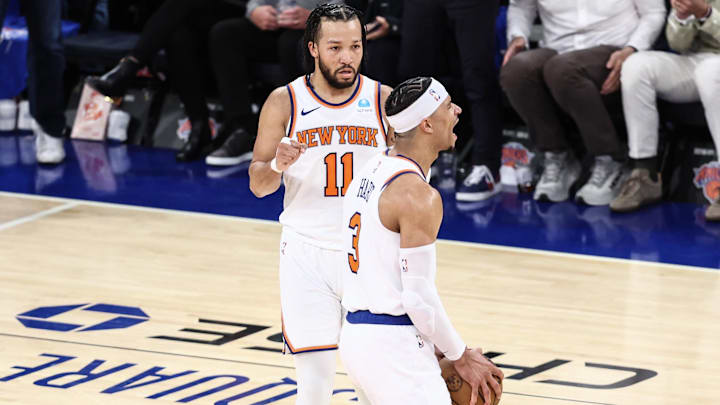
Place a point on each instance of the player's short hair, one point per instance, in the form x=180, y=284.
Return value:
x=332, y=12
x=405, y=94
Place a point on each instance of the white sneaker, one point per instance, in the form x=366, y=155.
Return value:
x=478, y=185
x=604, y=183
x=118, y=123
x=48, y=149
x=25, y=121
x=560, y=172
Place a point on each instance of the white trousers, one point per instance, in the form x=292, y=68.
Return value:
x=671, y=77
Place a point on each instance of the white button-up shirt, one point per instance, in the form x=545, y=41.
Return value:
x=570, y=25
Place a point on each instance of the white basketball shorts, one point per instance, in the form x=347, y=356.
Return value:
x=392, y=364
x=310, y=294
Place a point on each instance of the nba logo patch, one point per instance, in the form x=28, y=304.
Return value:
x=404, y=265
x=707, y=177
x=421, y=342
x=434, y=95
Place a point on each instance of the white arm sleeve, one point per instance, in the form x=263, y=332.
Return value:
x=422, y=302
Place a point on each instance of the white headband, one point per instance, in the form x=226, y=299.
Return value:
x=422, y=108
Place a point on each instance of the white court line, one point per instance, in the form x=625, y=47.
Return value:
x=510, y=249
x=38, y=215
x=615, y=260
x=138, y=208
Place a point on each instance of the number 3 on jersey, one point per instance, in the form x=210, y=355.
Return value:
x=331, y=188
x=354, y=258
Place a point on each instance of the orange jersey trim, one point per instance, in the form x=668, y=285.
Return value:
x=324, y=103
x=398, y=174
x=387, y=153
x=292, y=348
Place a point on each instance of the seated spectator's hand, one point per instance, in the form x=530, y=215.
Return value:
x=293, y=18
x=378, y=28
x=265, y=18
x=612, y=83
x=515, y=46
x=686, y=8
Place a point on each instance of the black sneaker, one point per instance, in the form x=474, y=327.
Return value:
x=236, y=149
x=115, y=82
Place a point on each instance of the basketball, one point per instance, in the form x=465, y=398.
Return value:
x=459, y=389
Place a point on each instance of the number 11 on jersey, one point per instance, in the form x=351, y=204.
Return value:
x=331, y=188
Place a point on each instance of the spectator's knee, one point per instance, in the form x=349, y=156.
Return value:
x=636, y=69
x=229, y=31
x=562, y=73
x=220, y=31
x=518, y=69
x=707, y=77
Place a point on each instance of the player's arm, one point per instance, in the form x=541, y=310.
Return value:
x=384, y=93
x=265, y=176
x=414, y=209
x=416, y=213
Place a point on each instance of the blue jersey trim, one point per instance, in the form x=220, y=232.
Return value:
x=367, y=317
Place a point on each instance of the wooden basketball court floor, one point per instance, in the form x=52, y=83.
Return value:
x=111, y=304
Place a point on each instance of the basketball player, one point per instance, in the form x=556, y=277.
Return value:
x=392, y=215
x=313, y=135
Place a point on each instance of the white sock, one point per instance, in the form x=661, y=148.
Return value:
x=315, y=375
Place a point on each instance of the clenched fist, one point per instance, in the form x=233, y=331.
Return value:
x=288, y=152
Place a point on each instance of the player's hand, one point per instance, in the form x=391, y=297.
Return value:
x=478, y=371
x=294, y=18
x=265, y=18
x=612, y=83
x=439, y=354
x=288, y=153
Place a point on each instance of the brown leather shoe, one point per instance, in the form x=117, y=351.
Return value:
x=712, y=213
x=637, y=191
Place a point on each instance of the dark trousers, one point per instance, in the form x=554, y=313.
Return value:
x=234, y=45
x=545, y=87
x=472, y=24
x=182, y=28
x=45, y=61
x=178, y=14
x=382, y=60
x=189, y=59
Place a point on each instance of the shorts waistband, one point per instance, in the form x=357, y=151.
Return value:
x=377, y=319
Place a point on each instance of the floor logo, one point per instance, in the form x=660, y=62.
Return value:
x=38, y=318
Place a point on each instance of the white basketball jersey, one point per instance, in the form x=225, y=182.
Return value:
x=371, y=278
x=341, y=138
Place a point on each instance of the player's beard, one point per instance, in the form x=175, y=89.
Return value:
x=331, y=77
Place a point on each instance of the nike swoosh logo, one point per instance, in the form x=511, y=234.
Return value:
x=304, y=113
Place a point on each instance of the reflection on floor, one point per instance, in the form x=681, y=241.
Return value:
x=669, y=232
